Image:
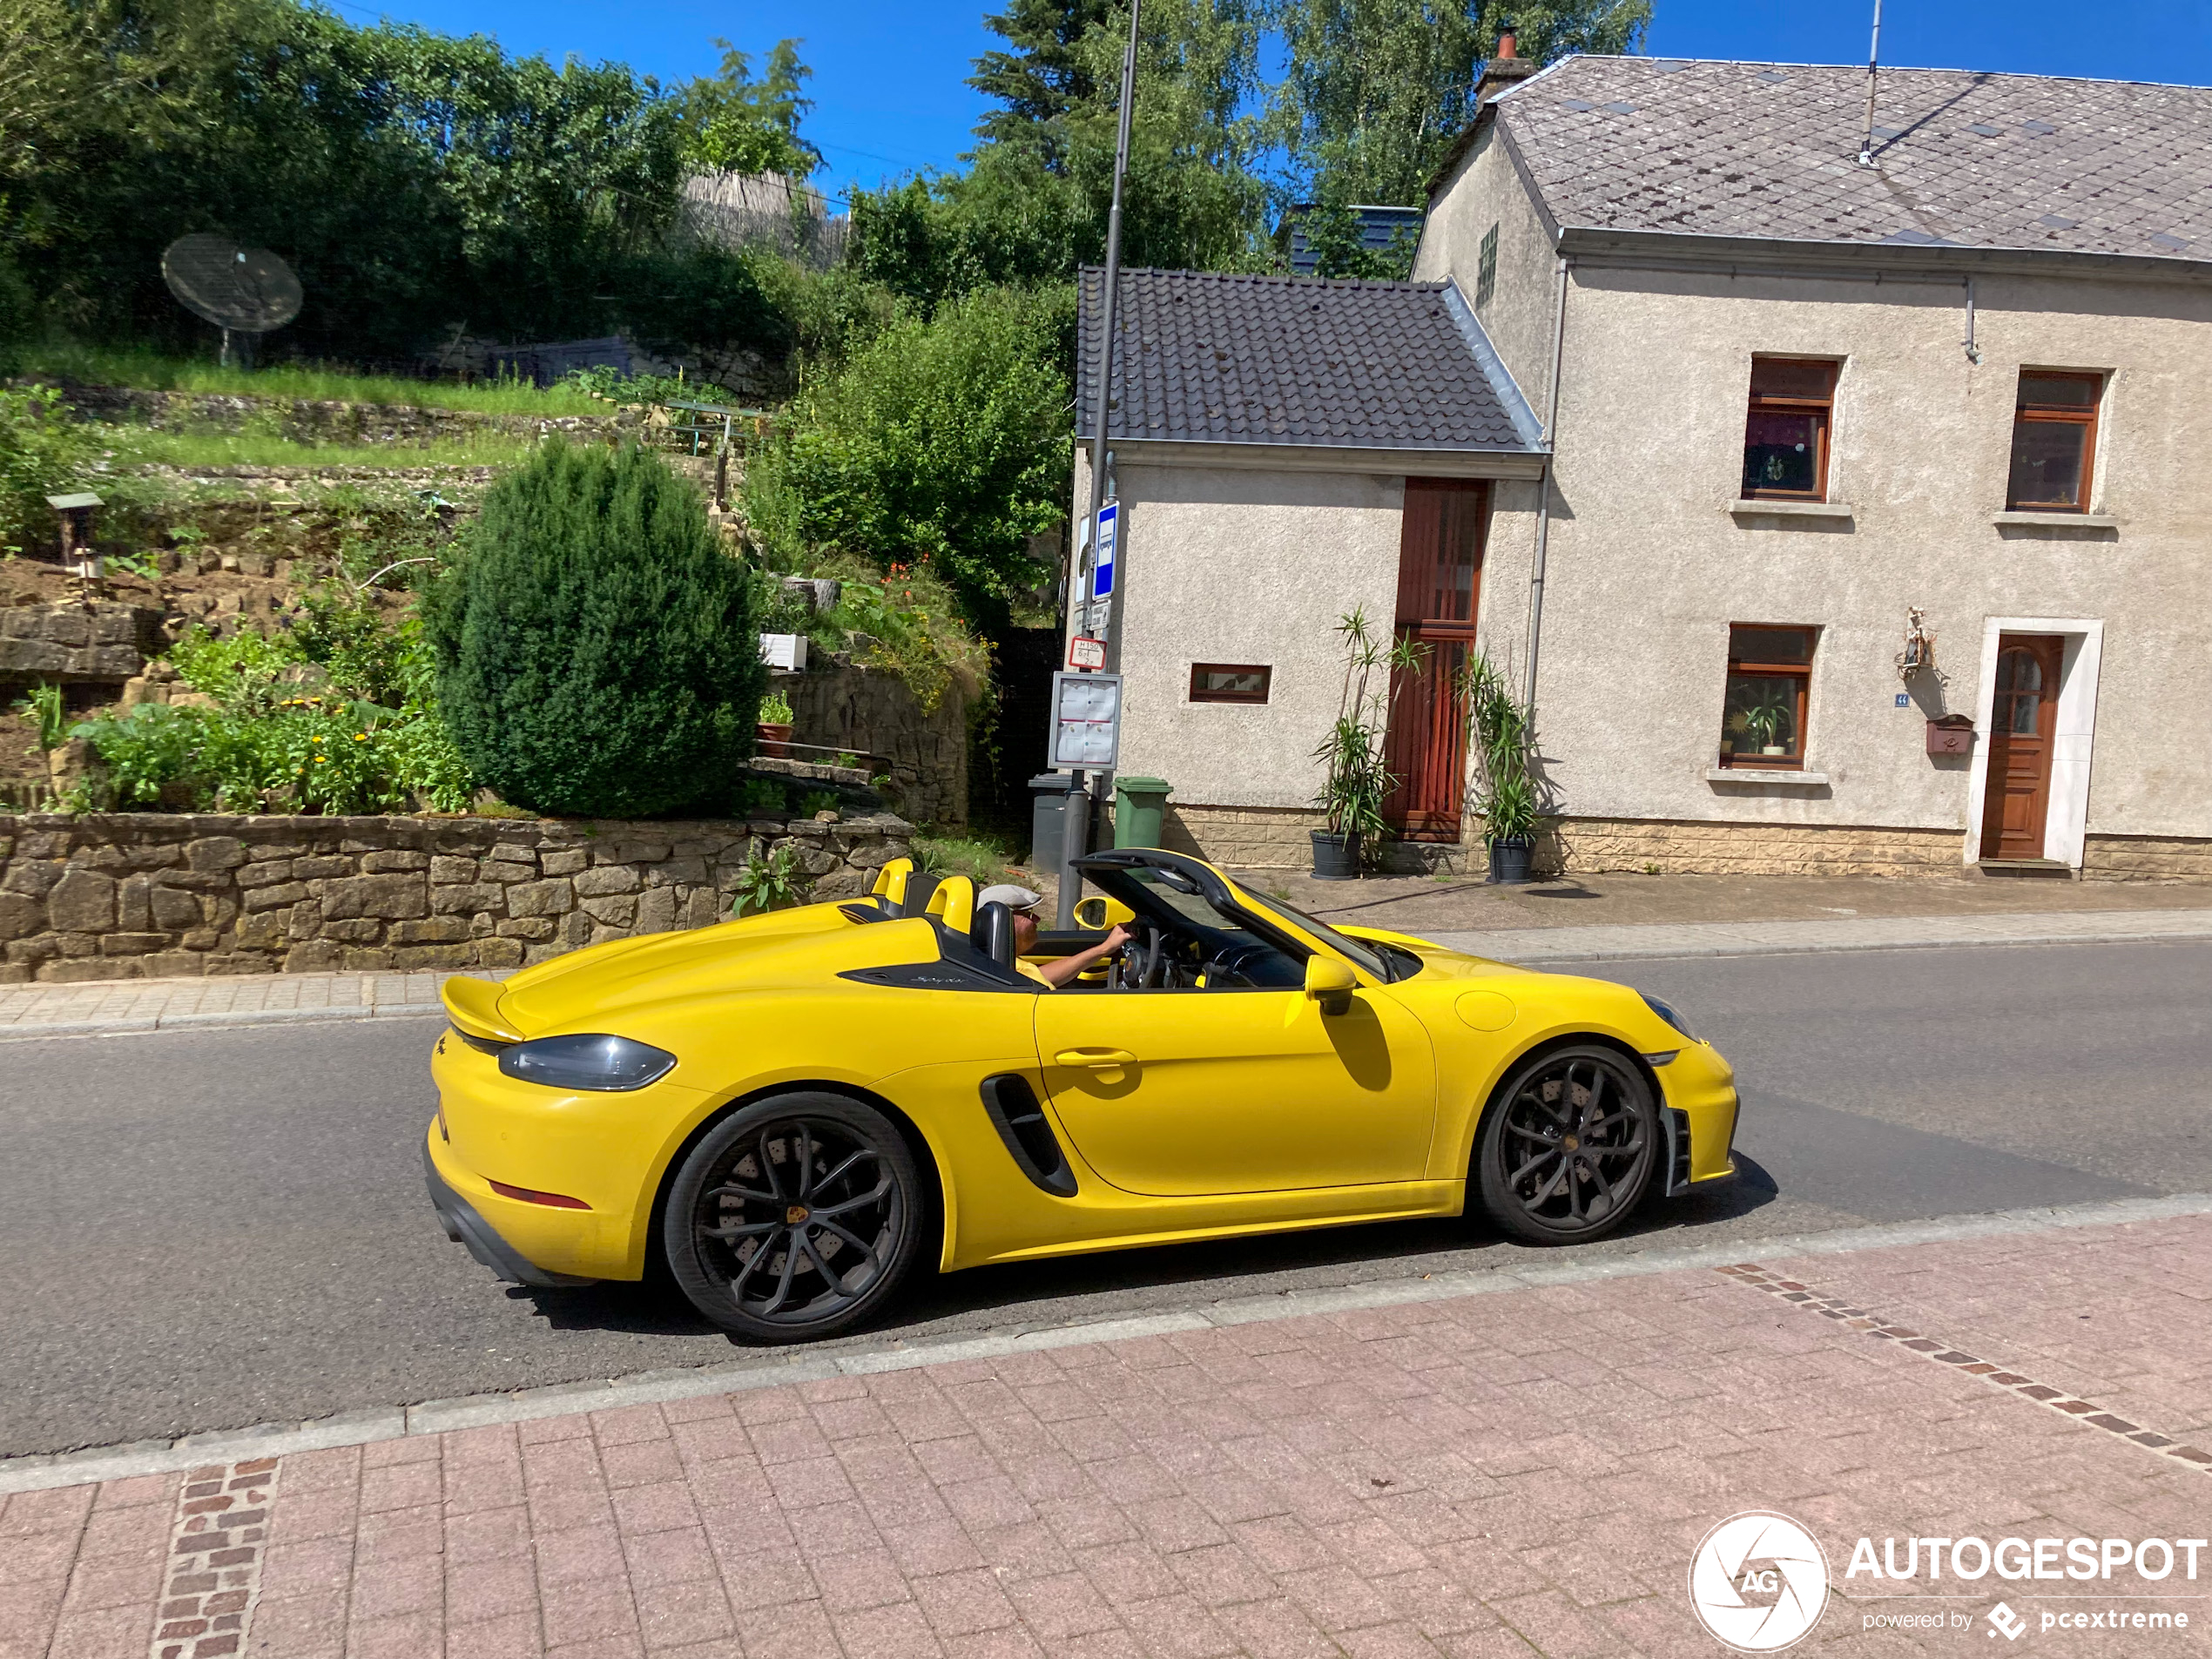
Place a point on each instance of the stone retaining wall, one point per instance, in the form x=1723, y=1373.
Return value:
x=128, y=895
x=317, y=421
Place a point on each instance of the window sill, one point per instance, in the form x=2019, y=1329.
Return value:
x=2009, y=520
x=1764, y=775
x=1826, y=509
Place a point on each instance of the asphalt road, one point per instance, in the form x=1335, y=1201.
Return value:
x=206, y=1230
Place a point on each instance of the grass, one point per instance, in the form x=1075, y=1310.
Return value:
x=984, y=860
x=141, y=447
x=151, y=371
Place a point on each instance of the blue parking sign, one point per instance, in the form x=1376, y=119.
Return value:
x=1101, y=568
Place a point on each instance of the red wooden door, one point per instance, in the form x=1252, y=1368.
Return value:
x=1439, y=569
x=2016, y=796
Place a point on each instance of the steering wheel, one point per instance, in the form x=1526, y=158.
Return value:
x=1228, y=968
x=1143, y=960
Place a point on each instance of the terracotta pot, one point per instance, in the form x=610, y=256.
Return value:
x=771, y=740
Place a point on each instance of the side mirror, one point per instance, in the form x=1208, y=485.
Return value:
x=1102, y=914
x=1330, y=982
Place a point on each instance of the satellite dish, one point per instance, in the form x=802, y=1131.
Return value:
x=241, y=290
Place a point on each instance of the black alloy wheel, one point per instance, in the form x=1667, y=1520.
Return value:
x=795, y=1218
x=1569, y=1145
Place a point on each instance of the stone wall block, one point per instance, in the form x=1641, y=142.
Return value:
x=21, y=916
x=566, y=861
x=509, y=852
x=605, y=879
x=498, y=953
x=699, y=908
x=215, y=853
x=321, y=868
x=264, y=875
x=172, y=964
x=134, y=904
x=284, y=893
x=123, y=944
x=407, y=956
x=553, y=897
x=614, y=909
x=387, y=863
x=38, y=948
x=656, y=910
x=446, y=870
x=508, y=873
x=34, y=878
x=468, y=900
x=438, y=930
x=84, y=901
x=312, y=957
x=269, y=930
x=630, y=852
x=533, y=929
x=393, y=898
x=353, y=930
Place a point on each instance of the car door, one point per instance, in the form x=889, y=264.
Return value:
x=1186, y=1092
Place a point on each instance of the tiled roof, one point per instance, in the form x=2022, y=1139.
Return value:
x=1962, y=158
x=1207, y=358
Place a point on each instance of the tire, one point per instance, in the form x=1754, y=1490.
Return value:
x=1569, y=1146
x=734, y=1246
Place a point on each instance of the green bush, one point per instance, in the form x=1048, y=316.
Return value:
x=43, y=452
x=596, y=649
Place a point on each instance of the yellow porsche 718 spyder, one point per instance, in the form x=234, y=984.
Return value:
x=792, y=1109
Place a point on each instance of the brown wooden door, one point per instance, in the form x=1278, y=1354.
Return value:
x=1439, y=577
x=2016, y=793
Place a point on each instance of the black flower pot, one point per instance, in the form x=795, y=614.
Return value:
x=1509, y=859
x=1336, y=858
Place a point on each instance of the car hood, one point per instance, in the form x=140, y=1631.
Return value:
x=593, y=988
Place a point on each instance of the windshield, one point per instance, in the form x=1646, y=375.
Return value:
x=1385, y=963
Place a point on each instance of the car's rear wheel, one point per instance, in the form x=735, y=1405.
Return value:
x=794, y=1217
x=1569, y=1145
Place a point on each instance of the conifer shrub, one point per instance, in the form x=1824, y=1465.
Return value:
x=597, y=652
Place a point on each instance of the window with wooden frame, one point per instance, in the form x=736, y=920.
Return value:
x=1785, y=435
x=1770, y=681
x=2054, y=441
x=1486, y=269
x=1230, y=682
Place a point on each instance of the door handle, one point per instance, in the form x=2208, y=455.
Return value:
x=1095, y=1059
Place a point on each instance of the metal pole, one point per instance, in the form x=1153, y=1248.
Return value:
x=1544, y=499
x=1076, y=819
x=1873, y=58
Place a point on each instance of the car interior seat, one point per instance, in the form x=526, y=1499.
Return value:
x=993, y=933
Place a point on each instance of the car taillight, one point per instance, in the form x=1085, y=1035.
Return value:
x=530, y=1195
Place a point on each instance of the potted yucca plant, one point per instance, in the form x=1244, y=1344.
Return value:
x=1506, y=790
x=1355, y=783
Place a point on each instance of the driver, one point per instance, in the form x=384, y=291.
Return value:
x=1058, y=971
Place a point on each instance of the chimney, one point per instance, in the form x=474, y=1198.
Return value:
x=1504, y=69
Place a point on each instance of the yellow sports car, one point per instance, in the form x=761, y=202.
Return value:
x=794, y=1109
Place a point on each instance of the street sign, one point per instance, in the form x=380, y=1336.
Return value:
x=1086, y=653
x=1085, y=719
x=1107, y=541
x=1097, y=618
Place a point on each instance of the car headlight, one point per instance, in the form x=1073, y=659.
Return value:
x=588, y=1059
x=1664, y=1013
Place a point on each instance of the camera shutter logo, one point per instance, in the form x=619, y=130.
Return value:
x=1758, y=1582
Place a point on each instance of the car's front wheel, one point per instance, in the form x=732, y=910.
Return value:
x=1567, y=1146
x=794, y=1217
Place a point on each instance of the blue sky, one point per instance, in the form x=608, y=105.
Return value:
x=890, y=75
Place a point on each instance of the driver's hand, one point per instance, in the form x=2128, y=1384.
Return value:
x=1118, y=937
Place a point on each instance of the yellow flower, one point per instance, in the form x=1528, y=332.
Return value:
x=360, y=737
x=322, y=760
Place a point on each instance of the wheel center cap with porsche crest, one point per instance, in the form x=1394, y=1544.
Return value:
x=1573, y=1143
x=796, y=1214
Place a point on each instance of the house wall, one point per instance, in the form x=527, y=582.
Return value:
x=1649, y=566
x=1482, y=191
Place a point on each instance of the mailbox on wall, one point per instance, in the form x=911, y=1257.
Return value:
x=1950, y=734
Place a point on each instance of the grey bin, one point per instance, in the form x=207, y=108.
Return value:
x=1048, y=794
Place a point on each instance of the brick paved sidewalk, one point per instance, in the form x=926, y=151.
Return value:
x=160, y=1004
x=1517, y=1474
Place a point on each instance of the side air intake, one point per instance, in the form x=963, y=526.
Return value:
x=1029, y=1140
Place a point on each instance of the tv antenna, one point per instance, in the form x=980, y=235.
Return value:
x=1873, y=74
x=244, y=292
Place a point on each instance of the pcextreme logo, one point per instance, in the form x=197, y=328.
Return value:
x=1759, y=1581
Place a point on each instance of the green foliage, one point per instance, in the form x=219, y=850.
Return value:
x=1375, y=90
x=1333, y=235
x=596, y=650
x=943, y=440
x=604, y=381
x=43, y=452
x=136, y=446
x=1355, y=782
x=43, y=704
x=768, y=881
x=241, y=672
x=775, y=709
x=99, y=365
x=1504, y=744
x=983, y=862
x=816, y=801
x=18, y=313
x=738, y=125
x=764, y=798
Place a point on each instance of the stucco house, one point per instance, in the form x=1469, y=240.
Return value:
x=1721, y=406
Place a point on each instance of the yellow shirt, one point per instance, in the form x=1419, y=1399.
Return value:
x=1022, y=966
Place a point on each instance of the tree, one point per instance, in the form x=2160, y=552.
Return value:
x=943, y=439
x=1375, y=90
x=1046, y=75
x=597, y=652
x=738, y=125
